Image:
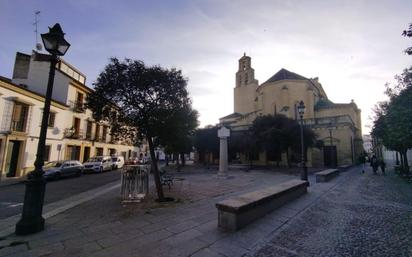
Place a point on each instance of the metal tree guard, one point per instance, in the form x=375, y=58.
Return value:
x=134, y=183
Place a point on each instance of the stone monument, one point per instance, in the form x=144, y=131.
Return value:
x=223, y=133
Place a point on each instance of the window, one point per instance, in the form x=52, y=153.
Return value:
x=79, y=98
x=72, y=152
x=52, y=118
x=46, y=154
x=104, y=133
x=97, y=134
x=99, y=151
x=19, y=118
x=89, y=130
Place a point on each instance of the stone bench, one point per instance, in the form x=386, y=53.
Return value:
x=235, y=213
x=326, y=175
x=344, y=167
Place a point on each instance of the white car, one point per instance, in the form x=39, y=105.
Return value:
x=118, y=162
x=98, y=164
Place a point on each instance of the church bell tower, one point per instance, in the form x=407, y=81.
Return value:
x=246, y=85
x=246, y=74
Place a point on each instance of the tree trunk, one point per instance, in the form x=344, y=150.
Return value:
x=156, y=175
x=402, y=163
x=287, y=158
x=207, y=160
x=182, y=157
x=405, y=160
x=397, y=158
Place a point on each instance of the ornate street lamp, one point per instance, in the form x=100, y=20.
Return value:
x=31, y=220
x=301, y=110
x=332, y=150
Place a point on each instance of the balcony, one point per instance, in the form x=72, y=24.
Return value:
x=89, y=135
x=18, y=126
x=77, y=106
x=73, y=133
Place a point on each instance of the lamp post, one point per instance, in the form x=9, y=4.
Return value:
x=332, y=151
x=301, y=111
x=31, y=220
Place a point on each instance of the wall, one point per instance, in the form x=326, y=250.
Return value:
x=38, y=77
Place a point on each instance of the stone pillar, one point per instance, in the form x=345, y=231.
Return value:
x=223, y=133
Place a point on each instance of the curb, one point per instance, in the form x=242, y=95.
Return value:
x=7, y=225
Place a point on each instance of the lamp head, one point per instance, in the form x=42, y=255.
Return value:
x=54, y=41
x=301, y=108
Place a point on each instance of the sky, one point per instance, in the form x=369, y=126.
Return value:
x=354, y=47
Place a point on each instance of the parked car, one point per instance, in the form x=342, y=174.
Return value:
x=132, y=161
x=98, y=164
x=144, y=160
x=58, y=169
x=118, y=162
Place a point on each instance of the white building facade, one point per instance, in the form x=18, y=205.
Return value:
x=72, y=131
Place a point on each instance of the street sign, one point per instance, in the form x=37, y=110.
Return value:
x=223, y=132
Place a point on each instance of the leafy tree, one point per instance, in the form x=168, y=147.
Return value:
x=139, y=102
x=243, y=142
x=279, y=133
x=408, y=33
x=177, y=134
x=392, y=124
x=206, y=142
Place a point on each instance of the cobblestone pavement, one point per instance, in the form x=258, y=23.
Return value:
x=353, y=215
x=365, y=215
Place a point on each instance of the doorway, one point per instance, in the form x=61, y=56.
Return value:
x=73, y=152
x=330, y=156
x=12, y=157
x=86, y=153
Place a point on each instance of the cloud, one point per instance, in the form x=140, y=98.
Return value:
x=354, y=47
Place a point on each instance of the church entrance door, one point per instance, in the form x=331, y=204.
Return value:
x=330, y=156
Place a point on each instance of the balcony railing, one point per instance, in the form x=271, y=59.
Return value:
x=18, y=126
x=73, y=133
x=77, y=106
x=89, y=135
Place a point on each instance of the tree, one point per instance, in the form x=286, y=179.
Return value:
x=243, y=142
x=177, y=134
x=278, y=133
x=139, y=102
x=392, y=123
x=206, y=143
x=408, y=33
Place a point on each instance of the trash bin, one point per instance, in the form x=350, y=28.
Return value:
x=134, y=183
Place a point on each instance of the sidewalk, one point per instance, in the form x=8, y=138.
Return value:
x=187, y=227
x=4, y=181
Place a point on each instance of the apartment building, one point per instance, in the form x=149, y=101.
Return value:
x=72, y=131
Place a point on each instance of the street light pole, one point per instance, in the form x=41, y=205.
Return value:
x=332, y=149
x=31, y=220
x=301, y=110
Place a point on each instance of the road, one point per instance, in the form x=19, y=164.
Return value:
x=365, y=215
x=12, y=196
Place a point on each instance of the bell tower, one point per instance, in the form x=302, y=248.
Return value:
x=246, y=85
x=246, y=74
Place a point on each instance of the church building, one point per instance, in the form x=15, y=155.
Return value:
x=337, y=125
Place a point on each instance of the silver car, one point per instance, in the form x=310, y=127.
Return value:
x=59, y=169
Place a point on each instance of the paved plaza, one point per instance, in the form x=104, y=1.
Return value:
x=353, y=215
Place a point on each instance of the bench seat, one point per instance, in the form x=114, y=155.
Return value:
x=326, y=175
x=344, y=167
x=236, y=212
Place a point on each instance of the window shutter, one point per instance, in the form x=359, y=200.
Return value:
x=7, y=115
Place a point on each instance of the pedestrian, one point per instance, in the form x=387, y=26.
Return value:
x=382, y=164
x=374, y=164
x=362, y=160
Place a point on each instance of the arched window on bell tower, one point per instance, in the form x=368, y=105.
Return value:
x=246, y=74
